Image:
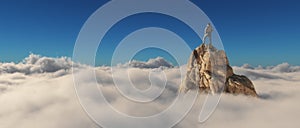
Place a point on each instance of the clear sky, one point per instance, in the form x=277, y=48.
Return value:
x=258, y=32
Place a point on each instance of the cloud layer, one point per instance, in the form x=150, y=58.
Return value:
x=39, y=92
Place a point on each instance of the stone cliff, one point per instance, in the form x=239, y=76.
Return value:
x=208, y=69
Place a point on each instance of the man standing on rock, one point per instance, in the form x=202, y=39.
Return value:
x=208, y=30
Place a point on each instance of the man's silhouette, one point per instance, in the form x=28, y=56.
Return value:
x=208, y=30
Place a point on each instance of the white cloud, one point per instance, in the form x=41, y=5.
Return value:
x=257, y=74
x=151, y=63
x=285, y=67
x=280, y=68
x=40, y=93
x=281, y=71
x=37, y=64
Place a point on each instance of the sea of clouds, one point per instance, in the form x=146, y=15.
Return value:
x=39, y=93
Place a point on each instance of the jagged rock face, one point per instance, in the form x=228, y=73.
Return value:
x=237, y=84
x=208, y=69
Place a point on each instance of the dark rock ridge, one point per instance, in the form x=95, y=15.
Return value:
x=208, y=69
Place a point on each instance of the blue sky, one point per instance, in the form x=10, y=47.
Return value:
x=258, y=32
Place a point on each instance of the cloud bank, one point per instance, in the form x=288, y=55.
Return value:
x=281, y=71
x=37, y=64
x=39, y=92
x=151, y=63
